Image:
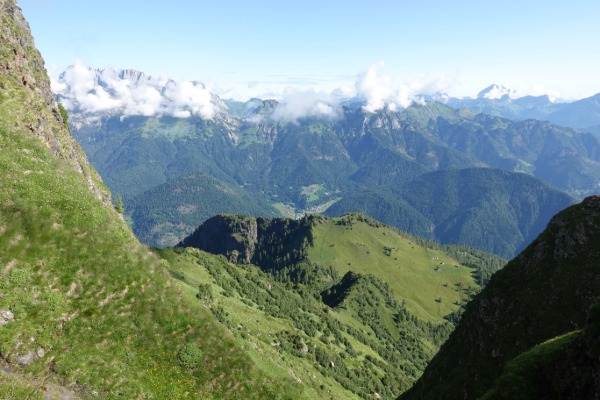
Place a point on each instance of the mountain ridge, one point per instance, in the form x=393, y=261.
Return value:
x=464, y=206
x=490, y=140
x=545, y=292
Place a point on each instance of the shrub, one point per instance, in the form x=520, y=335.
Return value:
x=63, y=114
x=19, y=276
x=204, y=292
x=190, y=356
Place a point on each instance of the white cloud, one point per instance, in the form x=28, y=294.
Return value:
x=143, y=100
x=192, y=97
x=537, y=90
x=296, y=104
x=380, y=91
x=128, y=93
x=377, y=89
x=131, y=93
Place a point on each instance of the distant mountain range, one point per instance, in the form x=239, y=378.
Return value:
x=280, y=157
x=89, y=93
x=582, y=114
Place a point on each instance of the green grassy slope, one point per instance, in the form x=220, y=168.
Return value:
x=84, y=290
x=518, y=379
x=85, y=306
x=430, y=282
x=26, y=102
x=256, y=329
x=364, y=344
x=565, y=367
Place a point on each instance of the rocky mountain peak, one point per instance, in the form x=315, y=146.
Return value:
x=232, y=236
x=253, y=240
x=132, y=75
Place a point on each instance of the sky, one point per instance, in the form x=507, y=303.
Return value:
x=264, y=48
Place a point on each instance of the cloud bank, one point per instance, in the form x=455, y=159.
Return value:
x=296, y=104
x=373, y=87
x=92, y=91
x=381, y=91
x=127, y=93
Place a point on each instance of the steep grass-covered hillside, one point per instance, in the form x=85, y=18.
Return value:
x=340, y=338
x=432, y=280
x=347, y=304
x=86, y=311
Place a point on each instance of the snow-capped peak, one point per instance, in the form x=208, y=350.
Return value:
x=494, y=92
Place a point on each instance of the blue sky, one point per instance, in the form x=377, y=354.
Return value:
x=261, y=47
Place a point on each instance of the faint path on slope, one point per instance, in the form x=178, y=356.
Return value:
x=51, y=391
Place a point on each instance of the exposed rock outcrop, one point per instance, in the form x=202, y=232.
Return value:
x=6, y=316
x=23, y=80
x=248, y=240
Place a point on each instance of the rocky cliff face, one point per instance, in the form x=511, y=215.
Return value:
x=23, y=80
x=545, y=292
x=232, y=236
x=267, y=243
